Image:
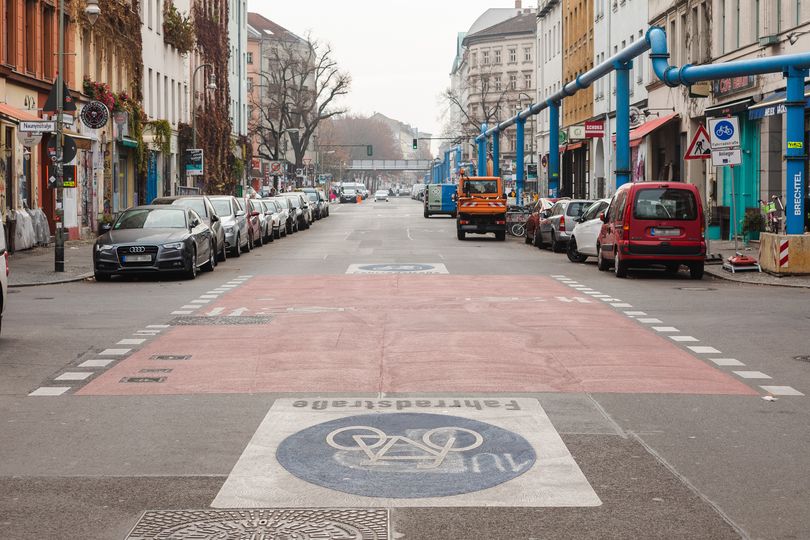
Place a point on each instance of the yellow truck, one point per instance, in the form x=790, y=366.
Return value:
x=481, y=206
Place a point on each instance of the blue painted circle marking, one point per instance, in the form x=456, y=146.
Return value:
x=406, y=455
x=724, y=130
x=397, y=267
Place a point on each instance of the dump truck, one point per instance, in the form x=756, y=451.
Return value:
x=481, y=206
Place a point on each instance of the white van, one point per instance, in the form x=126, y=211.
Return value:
x=3, y=272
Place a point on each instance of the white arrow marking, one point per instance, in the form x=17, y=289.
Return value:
x=237, y=312
x=216, y=311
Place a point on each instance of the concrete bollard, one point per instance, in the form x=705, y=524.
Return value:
x=785, y=254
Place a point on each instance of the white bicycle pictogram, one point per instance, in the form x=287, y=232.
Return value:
x=376, y=445
x=724, y=130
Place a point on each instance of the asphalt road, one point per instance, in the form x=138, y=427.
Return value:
x=373, y=377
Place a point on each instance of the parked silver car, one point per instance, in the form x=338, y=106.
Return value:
x=278, y=217
x=292, y=213
x=234, y=221
x=302, y=210
x=556, y=229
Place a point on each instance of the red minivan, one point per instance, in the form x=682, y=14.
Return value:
x=653, y=223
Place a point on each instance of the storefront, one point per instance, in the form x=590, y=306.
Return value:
x=575, y=170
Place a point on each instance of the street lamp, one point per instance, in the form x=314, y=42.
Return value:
x=92, y=11
x=212, y=85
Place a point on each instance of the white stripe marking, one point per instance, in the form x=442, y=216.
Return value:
x=200, y=301
x=649, y=321
x=635, y=313
x=210, y=296
x=752, y=375
x=181, y=312
x=73, y=376
x=130, y=341
x=779, y=390
x=215, y=311
x=190, y=306
x=621, y=304
x=114, y=352
x=96, y=363
x=50, y=391
x=684, y=339
x=158, y=326
x=700, y=349
x=665, y=329
x=726, y=361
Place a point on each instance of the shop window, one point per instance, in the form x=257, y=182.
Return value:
x=48, y=48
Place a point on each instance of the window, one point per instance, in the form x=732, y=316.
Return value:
x=173, y=117
x=485, y=57
x=249, y=57
x=512, y=56
x=149, y=13
x=48, y=18
x=498, y=56
x=474, y=59
x=148, y=106
x=158, y=17
x=85, y=53
x=527, y=54
x=527, y=81
x=674, y=204
x=250, y=84
x=512, y=81
x=498, y=86
x=9, y=51
x=30, y=36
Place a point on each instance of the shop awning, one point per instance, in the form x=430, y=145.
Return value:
x=637, y=135
x=17, y=114
x=774, y=104
x=572, y=146
x=129, y=143
x=731, y=107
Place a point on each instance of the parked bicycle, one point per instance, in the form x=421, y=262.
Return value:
x=774, y=212
x=516, y=217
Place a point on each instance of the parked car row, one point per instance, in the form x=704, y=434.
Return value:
x=647, y=224
x=190, y=233
x=418, y=192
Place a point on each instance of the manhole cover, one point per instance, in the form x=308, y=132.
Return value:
x=695, y=289
x=143, y=379
x=170, y=357
x=262, y=524
x=221, y=321
x=803, y=358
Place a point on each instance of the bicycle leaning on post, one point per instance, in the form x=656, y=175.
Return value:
x=516, y=218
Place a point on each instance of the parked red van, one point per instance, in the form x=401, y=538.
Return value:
x=653, y=223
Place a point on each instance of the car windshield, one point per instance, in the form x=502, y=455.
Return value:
x=222, y=207
x=480, y=186
x=349, y=192
x=241, y=203
x=312, y=196
x=295, y=202
x=577, y=208
x=665, y=203
x=198, y=205
x=382, y=193
x=151, y=218
x=271, y=206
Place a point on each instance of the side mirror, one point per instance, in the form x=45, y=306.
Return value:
x=254, y=213
x=603, y=217
x=214, y=218
x=240, y=213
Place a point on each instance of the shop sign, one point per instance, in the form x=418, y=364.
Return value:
x=595, y=129
x=95, y=115
x=576, y=133
x=732, y=85
x=194, y=162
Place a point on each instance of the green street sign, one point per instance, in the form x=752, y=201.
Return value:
x=563, y=137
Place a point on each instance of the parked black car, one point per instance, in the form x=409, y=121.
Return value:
x=148, y=239
x=203, y=206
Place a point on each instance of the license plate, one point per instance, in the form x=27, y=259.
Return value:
x=665, y=232
x=137, y=258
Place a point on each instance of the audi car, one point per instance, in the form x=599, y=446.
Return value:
x=149, y=239
x=202, y=205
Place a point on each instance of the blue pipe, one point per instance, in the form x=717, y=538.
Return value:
x=482, y=152
x=623, y=123
x=554, y=149
x=795, y=103
x=496, y=153
x=521, y=145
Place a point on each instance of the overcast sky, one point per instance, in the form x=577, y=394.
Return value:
x=399, y=53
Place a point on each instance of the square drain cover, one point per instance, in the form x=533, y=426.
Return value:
x=170, y=357
x=143, y=379
x=220, y=321
x=301, y=524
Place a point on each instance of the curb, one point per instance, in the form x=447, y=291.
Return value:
x=728, y=277
x=56, y=282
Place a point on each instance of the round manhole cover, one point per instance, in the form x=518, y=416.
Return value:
x=802, y=358
x=406, y=455
x=396, y=267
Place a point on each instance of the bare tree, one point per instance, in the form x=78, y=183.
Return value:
x=303, y=83
x=487, y=102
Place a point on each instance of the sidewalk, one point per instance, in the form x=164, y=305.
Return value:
x=35, y=266
x=726, y=249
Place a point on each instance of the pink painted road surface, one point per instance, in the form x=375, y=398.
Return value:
x=423, y=333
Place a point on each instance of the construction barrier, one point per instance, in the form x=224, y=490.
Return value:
x=785, y=254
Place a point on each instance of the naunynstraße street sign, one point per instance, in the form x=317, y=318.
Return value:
x=38, y=126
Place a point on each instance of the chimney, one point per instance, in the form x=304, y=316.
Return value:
x=518, y=4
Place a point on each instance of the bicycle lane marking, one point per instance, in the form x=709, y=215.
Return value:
x=437, y=452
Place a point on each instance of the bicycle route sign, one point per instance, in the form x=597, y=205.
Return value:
x=724, y=133
x=370, y=453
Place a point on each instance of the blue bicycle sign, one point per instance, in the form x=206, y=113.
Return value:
x=725, y=132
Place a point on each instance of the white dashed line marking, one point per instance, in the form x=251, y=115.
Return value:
x=181, y=312
x=635, y=313
x=621, y=304
x=752, y=375
x=158, y=326
x=700, y=349
x=782, y=390
x=726, y=361
x=74, y=376
x=665, y=329
x=684, y=339
x=50, y=391
x=200, y=301
x=130, y=341
x=210, y=296
x=602, y=296
x=114, y=352
x=649, y=321
x=96, y=363
x=190, y=306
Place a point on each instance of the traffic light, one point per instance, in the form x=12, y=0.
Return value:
x=415, y=143
x=369, y=150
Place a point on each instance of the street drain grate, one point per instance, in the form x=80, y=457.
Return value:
x=803, y=358
x=158, y=370
x=221, y=321
x=300, y=524
x=142, y=379
x=170, y=357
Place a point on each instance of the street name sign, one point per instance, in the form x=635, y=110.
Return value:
x=38, y=126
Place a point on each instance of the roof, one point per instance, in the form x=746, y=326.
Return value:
x=525, y=23
x=491, y=17
x=267, y=28
x=17, y=114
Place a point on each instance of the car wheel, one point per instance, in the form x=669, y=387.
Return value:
x=237, y=251
x=500, y=236
x=556, y=245
x=259, y=241
x=538, y=239
x=601, y=263
x=223, y=253
x=619, y=267
x=461, y=235
x=249, y=245
x=696, y=270
x=101, y=276
x=191, y=270
x=528, y=239
x=573, y=255
x=277, y=233
x=212, y=259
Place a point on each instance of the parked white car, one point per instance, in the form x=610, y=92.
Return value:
x=381, y=195
x=3, y=273
x=583, y=239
